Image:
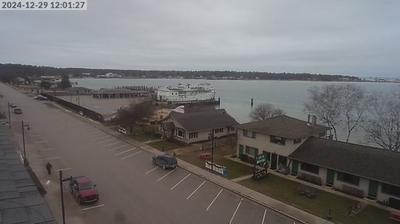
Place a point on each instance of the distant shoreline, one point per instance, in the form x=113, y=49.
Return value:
x=283, y=80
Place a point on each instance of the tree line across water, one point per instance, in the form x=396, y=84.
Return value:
x=10, y=71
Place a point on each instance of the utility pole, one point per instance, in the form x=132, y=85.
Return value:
x=212, y=149
x=62, y=195
x=9, y=114
x=23, y=126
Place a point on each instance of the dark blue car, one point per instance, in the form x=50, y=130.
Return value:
x=165, y=161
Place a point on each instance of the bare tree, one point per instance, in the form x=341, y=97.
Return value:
x=383, y=124
x=265, y=111
x=353, y=107
x=324, y=102
x=130, y=115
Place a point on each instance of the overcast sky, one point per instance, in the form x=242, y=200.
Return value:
x=334, y=37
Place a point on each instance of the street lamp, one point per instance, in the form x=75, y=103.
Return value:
x=212, y=149
x=9, y=114
x=23, y=126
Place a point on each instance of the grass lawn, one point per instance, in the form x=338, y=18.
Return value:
x=234, y=169
x=288, y=191
x=139, y=135
x=164, y=145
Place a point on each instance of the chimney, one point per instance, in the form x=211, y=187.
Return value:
x=314, y=120
x=308, y=120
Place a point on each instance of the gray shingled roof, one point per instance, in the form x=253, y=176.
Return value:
x=284, y=126
x=364, y=161
x=204, y=120
x=20, y=200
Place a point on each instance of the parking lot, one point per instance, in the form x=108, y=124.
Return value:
x=131, y=189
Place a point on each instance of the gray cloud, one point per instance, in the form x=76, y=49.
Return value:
x=348, y=37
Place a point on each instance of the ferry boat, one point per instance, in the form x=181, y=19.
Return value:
x=186, y=93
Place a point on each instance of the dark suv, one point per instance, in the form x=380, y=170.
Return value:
x=165, y=161
x=83, y=190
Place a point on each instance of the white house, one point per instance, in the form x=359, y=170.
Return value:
x=301, y=148
x=196, y=126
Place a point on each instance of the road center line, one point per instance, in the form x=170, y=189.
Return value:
x=131, y=155
x=180, y=182
x=161, y=178
x=263, y=219
x=123, y=152
x=190, y=195
x=234, y=213
x=92, y=207
x=212, y=202
x=151, y=170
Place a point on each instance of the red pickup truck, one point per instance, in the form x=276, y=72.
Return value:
x=83, y=190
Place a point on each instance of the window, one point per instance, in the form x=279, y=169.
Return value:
x=247, y=134
x=348, y=178
x=391, y=190
x=253, y=134
x=251, y=151
x=180, y=133
x=231, y=129
x=310, y=168
x=193, y=135
x=277, y=140
x=244, y=132
x=296, y=141
x=218, y=130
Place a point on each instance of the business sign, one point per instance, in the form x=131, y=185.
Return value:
x=261, y=160
x=217, y=168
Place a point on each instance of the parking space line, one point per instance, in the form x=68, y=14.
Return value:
x=123, y=152
x=234, y=213
x=117, y=148
x=161, y=178
x=212, y=202
x=191, y=194
x=151, y=170
x=131, y=155
x=112, y=143
x=263, y=219
x=180, y=182
x=92, y=207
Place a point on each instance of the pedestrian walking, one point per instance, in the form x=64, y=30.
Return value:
x=49, y=168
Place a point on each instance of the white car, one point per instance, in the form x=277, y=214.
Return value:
x=122, y=130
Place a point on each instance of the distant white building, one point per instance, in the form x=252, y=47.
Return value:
x=186, y=93
x=110, y=75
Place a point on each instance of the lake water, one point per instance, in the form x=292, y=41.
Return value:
x=236, y=94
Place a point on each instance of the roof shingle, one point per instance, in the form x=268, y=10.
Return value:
x=284, y=126
x=364, y=161
x=204, y=120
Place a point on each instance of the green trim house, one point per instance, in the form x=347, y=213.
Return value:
x=302, y=149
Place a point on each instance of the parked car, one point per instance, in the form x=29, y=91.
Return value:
x=83, y=190
x=165, y=161
x=40, y=97
x=122, y=130
x=17, y=110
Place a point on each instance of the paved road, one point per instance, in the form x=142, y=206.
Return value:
x=131, y=189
